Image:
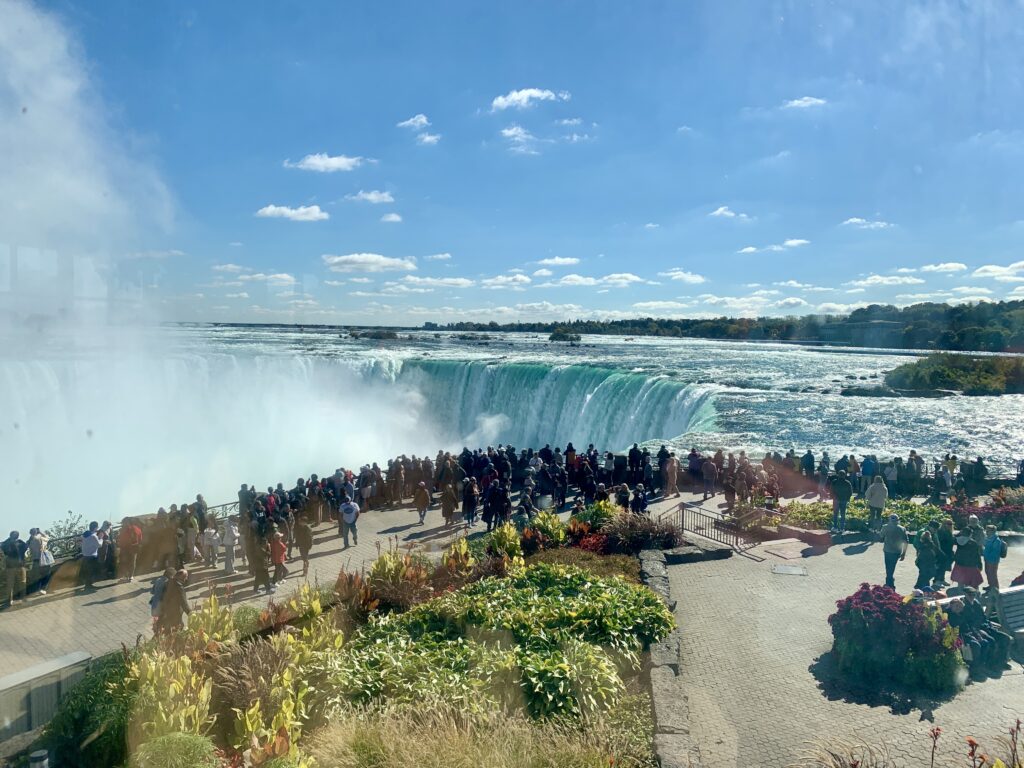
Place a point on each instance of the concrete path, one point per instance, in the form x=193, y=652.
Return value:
x=751, y=640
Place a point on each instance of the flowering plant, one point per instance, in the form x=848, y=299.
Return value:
x=882, y=637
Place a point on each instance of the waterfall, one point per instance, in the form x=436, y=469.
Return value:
x=528, y=404
x=114, y=435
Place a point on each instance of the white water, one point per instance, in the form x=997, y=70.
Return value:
x=114, y=430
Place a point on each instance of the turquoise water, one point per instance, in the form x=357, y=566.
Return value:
x=119, y=426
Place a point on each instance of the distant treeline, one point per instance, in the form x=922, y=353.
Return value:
x=987, y=326
x=970, y=375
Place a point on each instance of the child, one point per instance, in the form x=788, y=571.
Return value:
x=211, y=543
x=230, y=540
x=278, y=555
x=304, y=541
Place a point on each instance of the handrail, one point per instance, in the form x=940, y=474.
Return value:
x=710, y=524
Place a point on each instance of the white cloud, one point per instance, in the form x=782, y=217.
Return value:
x=235, y=244
x=872, y=281
x=324, y=163
x=391, y=218
x=683, y=276
x=510, y=282
x=804, y=102
x=302, y=213
x=856, y=290
x=428, y=139
x=830, y=308
x=725, y=212
x=971, y=300
x=1017, y=291
x=971, y=290
x=543, y=273
x=906, y=270
x=374, y=197
x=242, y=295
x=569, y=121
x=934, y=296
x=526, y=97
x=576, y=138
x=1011, y=273
x=661, y=306
x=790, y=303
x=859, y=223
x=684, y=130
x=793, y=284
x=360, y=280
x=438, y=257
x=417, y=122
x=516, y=271
x=793, y=242
x=368, y=262
x=334, y=283
x=615, y=280
x=279, y=278
x=397, y=288
x=948, y=266
x=520, y=140
x=303, y=303
x=438, y=282
x=651, y=225
x=765, y=292
x=232, y=268
x=559, y=261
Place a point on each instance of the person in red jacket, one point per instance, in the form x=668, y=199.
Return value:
x=129, y=541
x=278, y=555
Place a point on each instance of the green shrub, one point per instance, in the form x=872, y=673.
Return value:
x=91, y=723
x=176, y=750
x=818, y=514
x=597, y=515
x=628, y=533
x=550, y=527
x=246, y=619
x=245, y=674
x=505, y=541
x=626, y=566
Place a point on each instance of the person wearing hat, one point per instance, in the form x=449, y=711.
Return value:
x=967, y=560
x=894, y=547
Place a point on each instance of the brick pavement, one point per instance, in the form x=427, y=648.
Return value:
x=750, y=638
x=70, y=619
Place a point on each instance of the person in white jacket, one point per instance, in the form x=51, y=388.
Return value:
x=230, y=540
x=211, y=544
x=876, y=495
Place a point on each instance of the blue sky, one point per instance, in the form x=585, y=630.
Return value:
x=410, y=161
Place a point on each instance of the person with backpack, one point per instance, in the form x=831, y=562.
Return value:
x=14, y=551
x=992, y=552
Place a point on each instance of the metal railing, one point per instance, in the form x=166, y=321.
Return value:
x=710, y=524
x=70, y=547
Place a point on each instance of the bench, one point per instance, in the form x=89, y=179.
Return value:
x=1010, y=607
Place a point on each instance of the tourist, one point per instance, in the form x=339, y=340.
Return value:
x=992, y=552
x=709, y=471
x=671, y=475
x=259, y=557
x=601, y=494
x=967, y=560
x=129, y=542
x=842, y=491
x=211, y=543
x=190, y=525
x=894, y=547
x=421, y=500
x=946, y=542
x=876, y=496
x=608, y=475
x=741, y=488
x=105, y=558
x=278, y=556
x=231, y=536
x=807, y=464
x=927, y=557
x=974, y=530
x=989, y=645
x=42, y=560
x=304, y=541
x=348, y=515
x=622, y=497
x=14, y=551
x=90, y=547
x=638, y=504
x=156, y=594
x=173, y=603
x=470, y=500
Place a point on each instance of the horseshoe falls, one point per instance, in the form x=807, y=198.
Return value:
x=529, y=404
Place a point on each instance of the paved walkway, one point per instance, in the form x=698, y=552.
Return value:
x=750, y=644
x=71, y=619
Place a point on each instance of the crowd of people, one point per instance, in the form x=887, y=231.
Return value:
x=485, y=486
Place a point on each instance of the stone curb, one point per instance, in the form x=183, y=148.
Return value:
x=673, y=747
